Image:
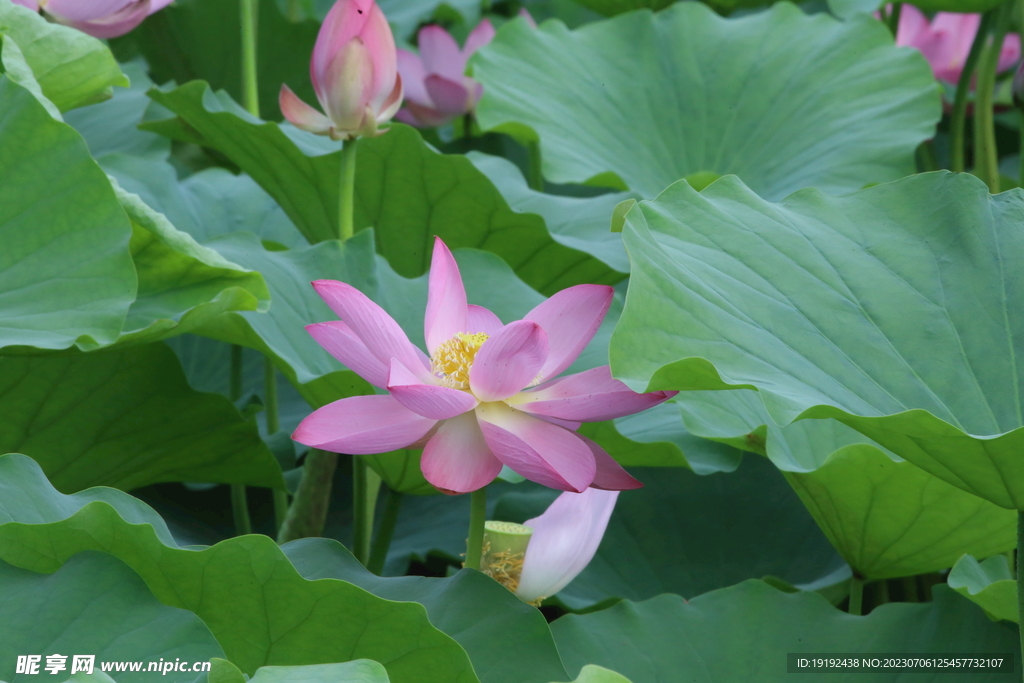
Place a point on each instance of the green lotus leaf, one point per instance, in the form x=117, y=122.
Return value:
x=889, y=309
x=357, y=671
x=743, y=633
x=507, y=640
x=990, y=584
x=125, y=418
x=73, y=69
x=592, y=673
x=887, y=517
x=260, y=609
x=844, y=9
x=777, y=97
x=404, y=189
x=95, y=605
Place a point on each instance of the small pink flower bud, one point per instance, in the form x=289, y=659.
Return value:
x=354, y=72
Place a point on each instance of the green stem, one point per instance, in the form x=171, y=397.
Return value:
x=239, y=498
x=467, y=125
x=856, y=595
x=536, y=177
x=382, y=540
x=1020, y=577
x=986, y=157
x=910, y=589
x=883, y=591
x=347, y=194
x=926, y=157
x=365, y=487
x=963, y=87
x=893, y=20
x=273, y=425
x=308, y=510
x=250, y=90
x=477, y=517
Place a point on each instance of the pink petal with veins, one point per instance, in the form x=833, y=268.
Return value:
x=481, y=35
x=457, y=459
x=540, y=451
x=440, y=53
x=449, y=97
x=479, y=319
x=565, y=539
x=590, y=396
x=300, y=114
x=446, y=299
x=362, y=425
x=508, y=361
x=428, y=400
x=571, y=318
x=375, y=328
x=340, y=341
x=610, y=475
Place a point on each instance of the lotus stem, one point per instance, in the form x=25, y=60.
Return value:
x=250, y=89
x=536, y=177
x=477, y=517
x=365, y=486
x=986, y=158
x=273, y=426
x=1020, y=578
x=963, y=87
x=893, y=20
x=856, y=595
x=382, y=539
x=308, y=510
x=239, y=498
x=347, y=195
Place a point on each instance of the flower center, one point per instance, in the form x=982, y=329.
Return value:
x=453, y=359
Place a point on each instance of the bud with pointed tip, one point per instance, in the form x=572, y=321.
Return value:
x=354, y=72
x=98, y=18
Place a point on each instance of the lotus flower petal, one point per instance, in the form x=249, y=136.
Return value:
x=610, y=475
x=86, y=10
x=374, y=327
x=565, y=539
x=300, y=114
x=482, y=34
x=31, y=4
x=540, y=451
x=590, y=396
x=340, y=341
x=428, y=400
x=508, y=361
x=440, y=53
x=456, y=459
x=479, y=319
x=362, y=425
x=446, y=299
x=571, y=318
x=414, y=76
x=449, y=97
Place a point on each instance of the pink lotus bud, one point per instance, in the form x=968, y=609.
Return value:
x=354, y=74
x=436, y=87
x=98, y=18
x=945, y=41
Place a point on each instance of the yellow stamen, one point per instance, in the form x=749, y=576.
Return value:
x=453, y=359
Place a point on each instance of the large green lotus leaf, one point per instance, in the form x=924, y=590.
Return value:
x=889, y=309
x=743, y=633
x=111, y=127
x=260, y=609
x=95, y=605
x=990, y=584
x=182, y=284
x=73, y=69
x=357, y=671
x=592, y=673
x=577, y=222
x=404, y=189
x=689, y=534
x=507, y=640
x=126, y=419
x=778, y=98
x=66, y=275
x=887, y=517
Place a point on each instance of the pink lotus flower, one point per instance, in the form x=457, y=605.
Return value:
x=98, y=18
x=946, y=41
x=485, y=395
x=564, y=541
x=436, y=87
x=354, y=74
